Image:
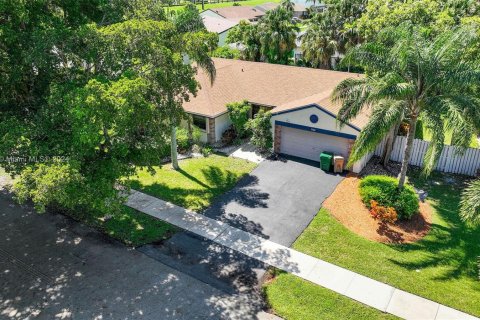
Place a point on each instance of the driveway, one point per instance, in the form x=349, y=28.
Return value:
x=277, y=200
x=52, y=267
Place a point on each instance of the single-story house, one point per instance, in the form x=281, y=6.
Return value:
x=299, y=10
x=303, y=116
x=235, y=13
x=219, y=25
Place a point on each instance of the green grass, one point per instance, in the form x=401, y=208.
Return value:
x=441, y=267
x=129, y=226
x=226, y=4
x=427, y=135
x=136, y=228
x=294, y=298
x=196, y=184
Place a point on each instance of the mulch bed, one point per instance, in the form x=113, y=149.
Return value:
x=347, y=207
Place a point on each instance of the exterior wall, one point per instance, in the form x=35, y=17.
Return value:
x=222, y=38
x=221, y=124
x=325, y=122
x=302, y=117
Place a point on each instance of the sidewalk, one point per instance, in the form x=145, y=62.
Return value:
x=353, y=285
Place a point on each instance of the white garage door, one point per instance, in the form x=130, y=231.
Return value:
x=309, y=145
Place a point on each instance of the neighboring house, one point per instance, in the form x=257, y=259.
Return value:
x=235, y=13
x=299, y=11
x=303, y=122
x=219, y=25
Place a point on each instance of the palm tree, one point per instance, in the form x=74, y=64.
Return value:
x=319, y=43
x=288, y=5
x=277, y=35
x=470, y=204
x=409, y=76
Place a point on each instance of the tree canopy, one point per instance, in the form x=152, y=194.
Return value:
x=90, y=89
x=410, y=76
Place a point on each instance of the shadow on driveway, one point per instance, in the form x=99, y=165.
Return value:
x=277, y=200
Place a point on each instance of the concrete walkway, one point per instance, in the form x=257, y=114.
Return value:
x=365, y=290
x=245, y=151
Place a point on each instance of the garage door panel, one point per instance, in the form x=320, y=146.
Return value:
x=309, y=145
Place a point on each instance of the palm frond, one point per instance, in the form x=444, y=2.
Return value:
x=371, y=56
x=434, y=125
x=470, y=204
x=353, y=94
x=384, y=116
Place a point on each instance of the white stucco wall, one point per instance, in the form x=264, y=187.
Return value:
x=325, y=121
x=302, y=117
x=221, y=124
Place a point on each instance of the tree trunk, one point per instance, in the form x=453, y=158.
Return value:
x=173, y=145
x=203, y=5
x=408, y=150
x=190, y=130
x=387, y=152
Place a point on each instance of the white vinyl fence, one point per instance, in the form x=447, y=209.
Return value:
x=450, y=161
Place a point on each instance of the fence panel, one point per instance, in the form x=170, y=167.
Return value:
x=450, y=160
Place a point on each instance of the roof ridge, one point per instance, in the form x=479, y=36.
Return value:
x=288, y=66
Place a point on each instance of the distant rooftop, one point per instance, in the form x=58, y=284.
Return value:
x=238, y=13
x=218, y=25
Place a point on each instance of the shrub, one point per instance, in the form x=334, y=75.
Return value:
x=183, y=142
x=238, y=113
x=261, y=129
x=386, y=214
x=206, y=151
x=384, y=191
x=226, y=52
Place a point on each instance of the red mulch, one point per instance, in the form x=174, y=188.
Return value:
x=347, y=207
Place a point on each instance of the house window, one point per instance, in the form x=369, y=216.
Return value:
x=200, y=122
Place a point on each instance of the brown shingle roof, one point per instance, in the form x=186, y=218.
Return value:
x=237, y=13
x=283, y=87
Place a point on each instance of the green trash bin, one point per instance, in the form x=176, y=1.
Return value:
x=326, y=159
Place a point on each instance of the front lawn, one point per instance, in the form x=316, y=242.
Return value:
x=225, y=4
x=441, y=267
x=297, y=299
x=196, y=184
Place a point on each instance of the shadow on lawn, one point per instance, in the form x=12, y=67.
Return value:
x=452, y=244
x=214, y=182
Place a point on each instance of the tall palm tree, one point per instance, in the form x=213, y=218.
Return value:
x=277, y=35
x=320, y=42
x=470, y=204
x=409, y=76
